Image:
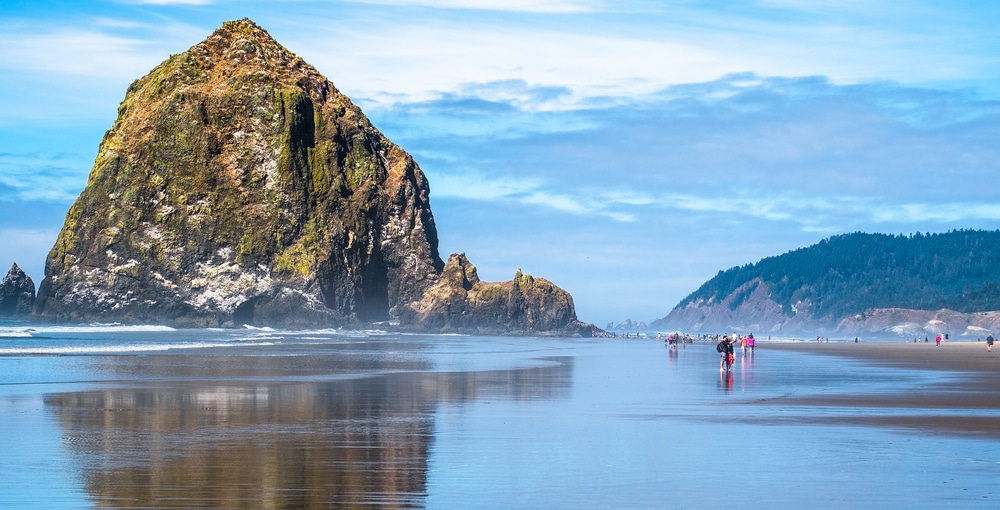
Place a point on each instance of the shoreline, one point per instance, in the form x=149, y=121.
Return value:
x=954, y=407
x=951, y=356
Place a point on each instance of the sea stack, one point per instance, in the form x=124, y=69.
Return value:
x=17, y=294
x=460, y=303
x=239, y=186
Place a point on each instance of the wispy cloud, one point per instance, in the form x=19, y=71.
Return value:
x=107, y=47
x=50, y=177
x=801, y=152
x=538, y=6
x=477, y=186
x=71, y=51
x=168, y=2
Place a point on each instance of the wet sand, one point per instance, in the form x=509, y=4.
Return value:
x=953, y=356
x=961, y=404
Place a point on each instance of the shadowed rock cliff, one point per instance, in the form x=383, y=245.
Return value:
x=239, y=186
x=17, y=294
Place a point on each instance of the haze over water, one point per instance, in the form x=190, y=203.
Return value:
x=154, y=417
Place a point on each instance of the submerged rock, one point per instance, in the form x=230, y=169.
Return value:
x=239, y=186
x=17, y=293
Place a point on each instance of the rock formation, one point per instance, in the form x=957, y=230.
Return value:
x=17, y=294
x=905, y=323
x=459, y=302
x=239, y=186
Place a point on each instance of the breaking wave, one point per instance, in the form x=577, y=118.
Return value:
x=113, y=348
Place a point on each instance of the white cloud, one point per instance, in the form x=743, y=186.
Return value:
x=477, y=186
x=425, y=60
x=108, y=48
x=833, y=212
x=169, y=2
x=537, y=6
x=69, y=51
x=937, y=212
x=42, y=177
x=640, y=54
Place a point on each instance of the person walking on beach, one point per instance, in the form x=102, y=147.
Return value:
x=937, y=340
x=750, y=343
x=725, y=348
x=743, y=344
x=989, y=342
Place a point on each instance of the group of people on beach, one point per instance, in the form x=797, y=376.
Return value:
x=727, y=348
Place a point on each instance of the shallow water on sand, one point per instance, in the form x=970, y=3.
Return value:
x=132, y=417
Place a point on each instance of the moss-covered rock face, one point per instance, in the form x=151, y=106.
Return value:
x=237, y=185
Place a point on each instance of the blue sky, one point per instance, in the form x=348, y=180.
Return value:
x=625, y=150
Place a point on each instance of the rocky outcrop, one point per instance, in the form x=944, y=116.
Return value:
x=905, y=323
x=628, y=324
x=460, y=303
x=17, y=294
x=239, y=186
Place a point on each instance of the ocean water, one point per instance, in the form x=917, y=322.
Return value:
x=149, y=417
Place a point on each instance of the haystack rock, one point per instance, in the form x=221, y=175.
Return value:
x=17, y=294
x=239, y=186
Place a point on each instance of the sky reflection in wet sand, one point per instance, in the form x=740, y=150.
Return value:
x=462, y=422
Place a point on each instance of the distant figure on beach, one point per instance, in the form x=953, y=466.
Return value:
x=937, y=340
x=744, y=342
x=989, y=342
x=750, y=343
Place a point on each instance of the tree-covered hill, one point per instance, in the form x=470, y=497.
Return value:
x=851, y=273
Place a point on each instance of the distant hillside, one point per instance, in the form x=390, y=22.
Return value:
x=845, y=276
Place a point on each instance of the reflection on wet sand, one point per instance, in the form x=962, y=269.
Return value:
x=348, y=443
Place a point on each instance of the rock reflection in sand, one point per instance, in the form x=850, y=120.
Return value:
x=361, y=441
x=307, y=419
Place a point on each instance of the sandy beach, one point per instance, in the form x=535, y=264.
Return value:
x=933, y=408
x=128, y=417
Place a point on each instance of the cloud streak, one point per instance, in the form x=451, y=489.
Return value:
x=801, y=152
x=48, y=177
x=533, y=6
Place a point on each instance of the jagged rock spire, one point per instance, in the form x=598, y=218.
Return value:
x=17, y=293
